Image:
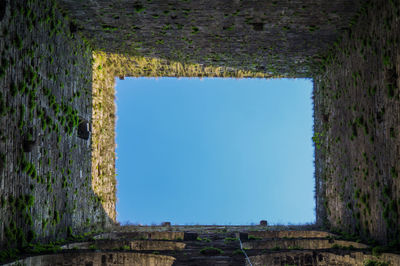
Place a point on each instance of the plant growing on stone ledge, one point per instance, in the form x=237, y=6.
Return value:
x=230, y=239
x=125, y=247
x=211, y=251
x=238, y=252
x=93, y=247
x=254, y=238
x=203, y=239
x=375, y=263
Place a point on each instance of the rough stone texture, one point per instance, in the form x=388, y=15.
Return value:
x=357, y=103
x=55, y=188
x=302, y=244
x=275, y=37
x=311, y=258
x=128, y=244
x=213, y=245
x=97, y=258
x=45, y=86
x=291, y=234
x=103, y=137
x=355, y=96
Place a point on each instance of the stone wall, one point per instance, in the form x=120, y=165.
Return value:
x=355, y=97
x=275, y=37
x=357, y=132
x=97, y=258
x=63, y=185
x=45, y=92
x=103, y=136
x=213, y=245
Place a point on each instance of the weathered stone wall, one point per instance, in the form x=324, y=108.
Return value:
x=45, y=89
x=275, y=37
x=302, y=244
x=213, y=245
x=323, y=258
x=97, y=258
x=357, y=132
x=103, y=136
x=46, y=77
x=355, y=98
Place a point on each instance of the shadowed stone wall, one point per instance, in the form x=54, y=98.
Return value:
x=357, y=132
x=213, y=245
x=276, y=37
x=45, y=91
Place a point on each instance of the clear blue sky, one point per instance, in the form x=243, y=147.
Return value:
x=214, y=151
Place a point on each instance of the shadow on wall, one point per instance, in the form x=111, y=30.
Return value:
x=46, y=188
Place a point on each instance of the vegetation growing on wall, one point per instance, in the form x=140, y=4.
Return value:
x=273, y=37
x=51, y=188
x=357, y=125
x=119, y=65
x=45, y=79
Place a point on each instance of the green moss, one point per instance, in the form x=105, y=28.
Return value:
x=386, y=191
x=29, y=200
x=43, y=248
x=2, y=72
x=21, y=117
x=230, y=239
x=109, y=28
x=69, y=232
x=3, y=161
x=313, y=28
x=139, y=8
x=30, y=169
x=195, y=30
x=205, y=239
x=375, y=263
x=3, y=107
x=254, y=238
x=93, y=247
x=44, y=223
x=8, y=253
x=386, y=60
x=378, y=250
x=20, y=237
x=11, y=200
x=393, y=172
x=390, y=90
x=18, y=42
x=56, y=217
x=357, y=193
x=238, y=252
x=211, y=251
x=3, y=201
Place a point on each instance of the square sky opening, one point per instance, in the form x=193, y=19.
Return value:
x=214, y=151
